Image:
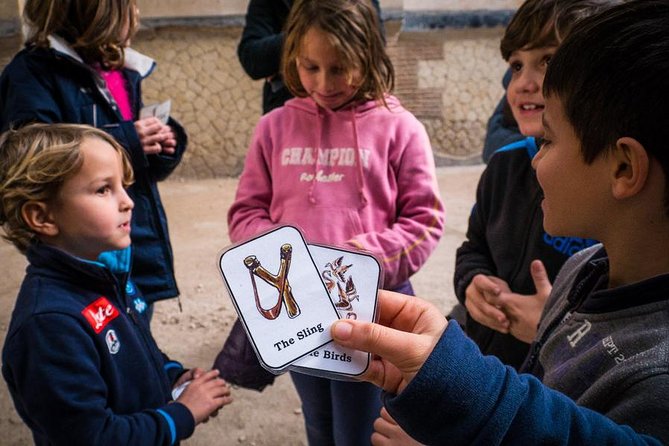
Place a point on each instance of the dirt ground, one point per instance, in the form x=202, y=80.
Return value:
x=197, y=216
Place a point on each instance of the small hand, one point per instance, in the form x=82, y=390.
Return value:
x=388, y=433
x=479, y=298
x=155, y=136
x=189, y=375
x=205, y=395
x=524, y=311
x=406, y=334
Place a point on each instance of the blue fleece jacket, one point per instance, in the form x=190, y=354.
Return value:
x=79, y=359
x=461, y=397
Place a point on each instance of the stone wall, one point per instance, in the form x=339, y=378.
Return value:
x=448, y=74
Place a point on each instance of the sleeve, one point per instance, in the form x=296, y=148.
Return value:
x=462, y=397
x=406, y=244
x=26, y=95
x=68, y=399
x=473, y=256
x=259, y=49
x=249, y=213
x=173, y=369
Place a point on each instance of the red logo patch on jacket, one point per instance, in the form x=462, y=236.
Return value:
x=100, y=313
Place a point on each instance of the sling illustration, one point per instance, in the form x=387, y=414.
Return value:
x=280, y=282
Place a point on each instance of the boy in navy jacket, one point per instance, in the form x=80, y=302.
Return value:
x=79, y=359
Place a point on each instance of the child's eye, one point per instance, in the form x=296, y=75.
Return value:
x=546, y=60
x=103, y=190
x=516, y=66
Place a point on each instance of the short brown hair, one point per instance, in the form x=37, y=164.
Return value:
x=36, y=160
x=541, y=23
x=91, y=27
x=353, y=29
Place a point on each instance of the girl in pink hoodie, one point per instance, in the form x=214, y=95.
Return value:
x=349, y=166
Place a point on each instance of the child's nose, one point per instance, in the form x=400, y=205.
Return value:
x=325, y=81
x=529, y=81
x=126, y=202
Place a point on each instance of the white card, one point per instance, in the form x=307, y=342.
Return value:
x=352, y=279
x=281, y=301
x=160, y=111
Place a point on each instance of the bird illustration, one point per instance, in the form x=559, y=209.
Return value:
x=338, y=269
x=327, y=279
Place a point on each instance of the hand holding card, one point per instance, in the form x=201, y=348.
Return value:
x=278, y=294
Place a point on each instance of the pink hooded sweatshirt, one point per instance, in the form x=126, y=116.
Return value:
x=360, y=177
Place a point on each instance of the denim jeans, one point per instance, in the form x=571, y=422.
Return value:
x=340, y=413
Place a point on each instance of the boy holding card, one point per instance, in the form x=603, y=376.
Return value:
x=599, y=361
x=79, y=359
x=77, y=68
x=349, y=166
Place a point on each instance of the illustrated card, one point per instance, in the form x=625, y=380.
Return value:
x=160, y=111
x=352, y=280
x=279, y=296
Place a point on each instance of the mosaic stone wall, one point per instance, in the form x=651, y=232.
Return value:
x=449, y=78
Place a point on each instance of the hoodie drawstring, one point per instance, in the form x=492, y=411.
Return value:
x=319, y=131
x=360, y=175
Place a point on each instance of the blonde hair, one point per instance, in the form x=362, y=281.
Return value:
x=353, y=30
x=91, y=27
x=36, y=160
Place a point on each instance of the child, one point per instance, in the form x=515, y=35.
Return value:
x=603, y=338
x=349, y=166
x=507, y=252
x=76, y=68
x=79, y=359
x=259, y=49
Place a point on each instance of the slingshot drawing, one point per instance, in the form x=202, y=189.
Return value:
x=278, y=281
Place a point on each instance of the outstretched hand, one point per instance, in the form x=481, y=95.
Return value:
x=406, y=334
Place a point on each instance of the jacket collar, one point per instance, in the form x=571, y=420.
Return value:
x=134, y=60
x=109, y=267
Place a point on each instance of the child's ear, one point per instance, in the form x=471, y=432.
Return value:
x=629, y=167
x=37, y=216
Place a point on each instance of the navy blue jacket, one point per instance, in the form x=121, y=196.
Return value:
x=53, y=85
x=504, y=235
x=79, y=359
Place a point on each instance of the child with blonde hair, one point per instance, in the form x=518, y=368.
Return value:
x=79, y=359
x=346, y=163
x=77, y=67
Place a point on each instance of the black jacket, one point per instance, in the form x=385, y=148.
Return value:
x=505, y=234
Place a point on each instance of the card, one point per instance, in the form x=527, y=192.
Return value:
x=279, y=296
x=160, y=111
x=352, y=280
